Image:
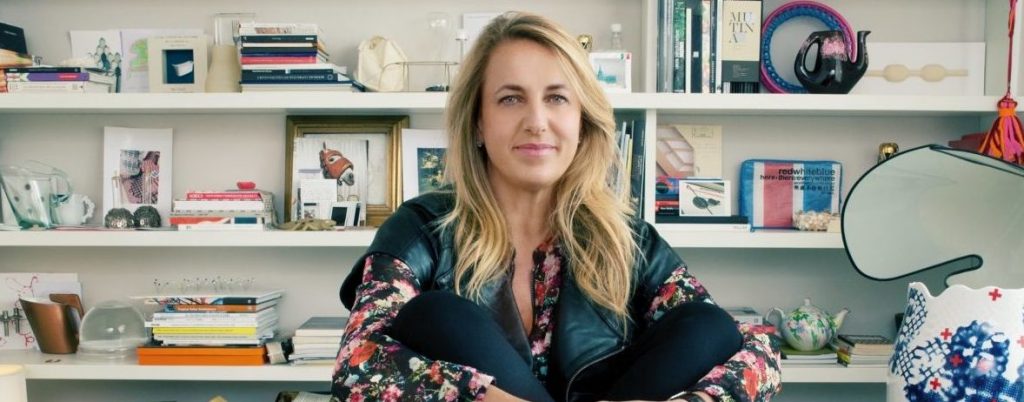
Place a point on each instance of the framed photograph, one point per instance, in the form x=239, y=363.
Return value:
x=423, y=161
x=345, y=213
x=614, y=70
x=360, y=153
x=135, y=55
x=137, y=169
x=177, y=63
x=704, y=197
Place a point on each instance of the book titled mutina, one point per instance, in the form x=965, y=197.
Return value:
x=233, y=299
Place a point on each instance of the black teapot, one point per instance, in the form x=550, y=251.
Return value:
x=833, y=72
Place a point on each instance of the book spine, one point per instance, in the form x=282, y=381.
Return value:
x=218, y=205
x=278, y=59
x=223, y=195
x=205, y=331
x=209, y=308
x=278, y=38
x=290, y=45
x=249, y=77
x=270, y=28
x=26, y=77
x=29, y=70
x=194, y=323
x=679, y=46
x=279, y=50
x=44, y=86
x=212, y=315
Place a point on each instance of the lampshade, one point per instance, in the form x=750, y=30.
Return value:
x=12, y=383
x=931, y=206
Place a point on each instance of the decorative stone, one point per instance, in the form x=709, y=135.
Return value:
x=119, y=218
x=147, y=217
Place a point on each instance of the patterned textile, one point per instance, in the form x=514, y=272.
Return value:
x=374, y=367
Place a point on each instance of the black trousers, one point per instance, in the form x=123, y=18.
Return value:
x=669, y=357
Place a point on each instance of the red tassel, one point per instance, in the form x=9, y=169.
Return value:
x=1005, y=140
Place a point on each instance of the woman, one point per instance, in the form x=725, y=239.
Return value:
x=528, y=280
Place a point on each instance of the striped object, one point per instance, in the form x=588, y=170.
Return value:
x=771, y=191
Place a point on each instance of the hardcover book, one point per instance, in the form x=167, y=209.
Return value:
x=235, y=298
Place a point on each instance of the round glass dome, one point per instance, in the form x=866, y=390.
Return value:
x=112, y=330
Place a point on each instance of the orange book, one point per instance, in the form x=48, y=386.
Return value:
x=202, y=355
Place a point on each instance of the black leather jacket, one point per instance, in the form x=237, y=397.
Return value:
x=586, y=336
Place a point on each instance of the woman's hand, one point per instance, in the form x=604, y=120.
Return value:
x=495, y=394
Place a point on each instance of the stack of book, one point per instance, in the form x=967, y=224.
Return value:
x=820, y=356
x=224, y=210
x=318, y=340
x=246, y=318
x=58, y=79
x=863, y=350
x=287, y=57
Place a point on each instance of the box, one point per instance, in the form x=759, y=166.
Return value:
x=614, y=70
x=772, y=190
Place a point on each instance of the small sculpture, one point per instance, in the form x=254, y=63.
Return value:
x=586, y=41
x=834, y=72
x=119, y=218
x=147, y=217
x=808, y=327
x=887, y=150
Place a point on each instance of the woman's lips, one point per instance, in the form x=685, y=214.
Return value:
x=534, y=149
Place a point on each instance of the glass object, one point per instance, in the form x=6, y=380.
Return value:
x=441, y=33
x=225, y=27
x=111, y=331
x=34, y=192
x=616, y=37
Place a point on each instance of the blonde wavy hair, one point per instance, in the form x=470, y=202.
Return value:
x=590, y=221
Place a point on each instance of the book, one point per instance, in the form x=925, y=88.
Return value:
x=224, y=195
x=238, y=298
x=194, y=330
x=219, y=308
x=224, y=225
x=820, y=356
x=320, y=340
x=219, y=205
x=277, y=28
x=732, y=219
x=323, y=326
x=277, y=38
x=202, y=356
x=872, y=345
x=741, y=45
x=12, y=38
x=172, y=316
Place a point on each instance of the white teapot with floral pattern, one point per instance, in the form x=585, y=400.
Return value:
x=808, y=327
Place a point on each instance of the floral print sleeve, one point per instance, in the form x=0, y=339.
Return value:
x=372, y=366
x=752, y=374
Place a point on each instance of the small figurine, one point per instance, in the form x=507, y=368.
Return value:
x=119, y=218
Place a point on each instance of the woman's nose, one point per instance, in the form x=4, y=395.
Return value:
x=536, y=118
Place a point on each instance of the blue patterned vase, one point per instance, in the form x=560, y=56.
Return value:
x=963, y=345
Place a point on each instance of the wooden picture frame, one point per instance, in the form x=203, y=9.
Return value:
x=315, y=147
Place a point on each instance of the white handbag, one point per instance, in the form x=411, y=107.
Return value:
x=381, y=65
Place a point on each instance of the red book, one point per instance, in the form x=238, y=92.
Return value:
x=224, y=195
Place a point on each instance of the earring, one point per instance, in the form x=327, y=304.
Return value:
x=479, y=143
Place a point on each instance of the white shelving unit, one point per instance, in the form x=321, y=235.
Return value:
x=39, y=366
x=221, y=138
x=398, y=103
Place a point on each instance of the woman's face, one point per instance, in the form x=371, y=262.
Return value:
x=529, y=117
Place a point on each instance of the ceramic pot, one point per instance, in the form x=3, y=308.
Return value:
x=963, y=345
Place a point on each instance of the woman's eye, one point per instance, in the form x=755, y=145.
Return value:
x=509, y=100
x=558, y=99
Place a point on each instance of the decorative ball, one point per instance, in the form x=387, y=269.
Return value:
x=119, y=218
x=147, y=217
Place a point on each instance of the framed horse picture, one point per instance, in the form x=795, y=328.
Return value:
x=358, y=154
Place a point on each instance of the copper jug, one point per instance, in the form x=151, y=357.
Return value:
x=55, y=321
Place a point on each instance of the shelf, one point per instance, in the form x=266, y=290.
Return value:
x=71, y=367
x=425, y=102
x=117, y=238
x=362, y=238
x=756, y=239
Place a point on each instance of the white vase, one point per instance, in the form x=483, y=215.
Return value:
x=225, y=72
x=963, y=345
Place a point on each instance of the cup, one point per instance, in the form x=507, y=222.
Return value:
x=76, y=210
